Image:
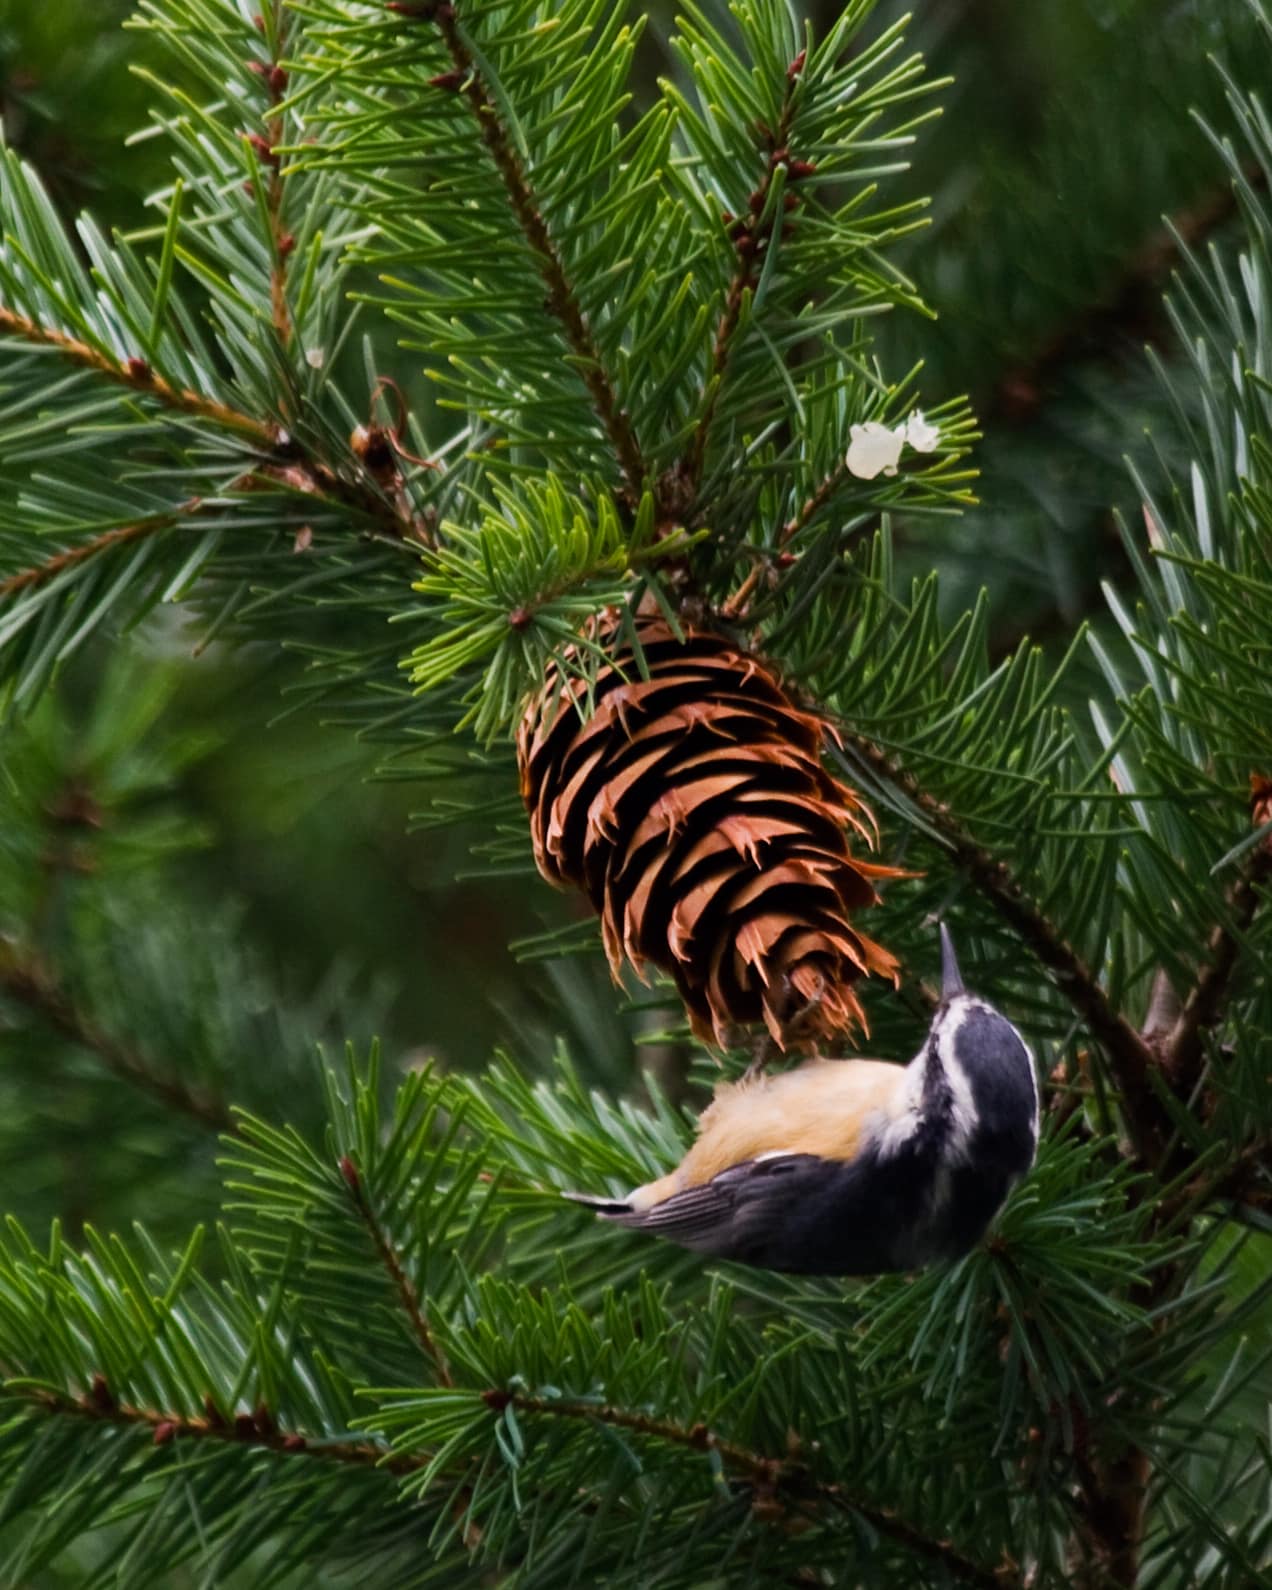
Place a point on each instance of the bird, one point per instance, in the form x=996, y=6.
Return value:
x=856, y=1167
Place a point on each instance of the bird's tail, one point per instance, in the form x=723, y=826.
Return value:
x=607, y=1208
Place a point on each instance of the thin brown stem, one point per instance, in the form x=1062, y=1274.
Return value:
x=274, y=76
x=391, y=1260
x=1112, y=1497
x=287, y=461
x=813, y=503
x=562, y=301
x=41, y=573
x=1185, y=1046
x=774, y=1480
x=736, y=606
x=29, y=984
x=1130, y=1057
x=767, y=1476
x=141, y=378
x=1112, y=1487
x=244, y=1430
x=1234, y=1182
x=753, y=236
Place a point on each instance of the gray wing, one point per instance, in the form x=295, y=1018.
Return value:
x=799, y=1213
x=739, y=1214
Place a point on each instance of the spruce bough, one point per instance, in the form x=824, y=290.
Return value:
x=647, y=338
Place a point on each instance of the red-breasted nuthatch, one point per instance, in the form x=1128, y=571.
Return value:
x=859, y=1166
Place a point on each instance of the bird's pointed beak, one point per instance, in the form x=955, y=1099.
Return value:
x=951, y=977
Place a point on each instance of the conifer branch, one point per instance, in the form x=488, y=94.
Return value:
x=768, y=1476
x=752, y=237
x=1235, y=1180
x=30, y=985
x=562, y=300
x=141, y=378
x=1112, y=1500
x=258, y=1430
x=1130, y=1057
x=274, y=75
x=736, y=606
x=41, y=573
x=252, y=1430
x=389, y=1257
x=814, y=502
x=1204, y=1003
x=38, y=574
x=297, y=467
x=1113, y=1494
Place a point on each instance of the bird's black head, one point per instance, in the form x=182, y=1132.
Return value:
x=990, y=1072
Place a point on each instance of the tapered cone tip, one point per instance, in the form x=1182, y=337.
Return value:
x=951, y=977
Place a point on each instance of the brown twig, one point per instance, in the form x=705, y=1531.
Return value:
x=766, y=1475
x=40, y=573
x=1113, y=1490
x=1112, y=1497
x=285, y=457
x=752, y=237
x=562, y=301
x=1185, y=1046
x=244, y=1430
x=813, y=503
x=1130, y=1058
x=139, y=375
x=274, y=76
x=30, y=984
x=736, y=606
x=1233, y=1182
x=389, y=1257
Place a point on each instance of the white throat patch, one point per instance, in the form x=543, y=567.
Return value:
x=908, y=1114
x=963, y=1106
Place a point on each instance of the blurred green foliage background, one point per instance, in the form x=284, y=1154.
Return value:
x=1063, y=144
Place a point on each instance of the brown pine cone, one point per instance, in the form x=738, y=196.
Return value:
x=694, y=811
